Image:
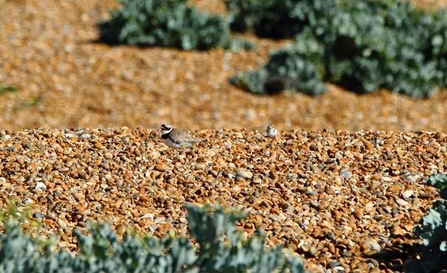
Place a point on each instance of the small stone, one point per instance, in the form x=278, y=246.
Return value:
x=62, y=224
x=373, y=245
x=28, y=201
x=386, y=179
x=120, y=229
x=346, y=174
x=426, y=195
x=147, y=216
x=40, y=186
x=200, y=166
x=402, y=202
x=397, y=231
x=19, y=189
x=292, y=176
x=334, y=264
x=380, y=141
x=161, y=167
x=257, y=180
x=313, y=251
x=214, y=173
x=38, y=215
x=374, y=185
x=407, y=194
x=98, y=145
x=358, y=213
x=411, y=177
x=85, y=136
x=244, y=174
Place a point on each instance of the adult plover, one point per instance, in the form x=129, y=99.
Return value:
x=176, y=138
x=271, y=131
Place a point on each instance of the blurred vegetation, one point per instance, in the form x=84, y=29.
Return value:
x=362, y=46
x=169, y=23
x=7, y=89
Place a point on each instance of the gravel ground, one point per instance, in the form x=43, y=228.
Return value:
x=332, y=187
x=339, y=199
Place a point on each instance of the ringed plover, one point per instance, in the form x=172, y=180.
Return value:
x=176, y=138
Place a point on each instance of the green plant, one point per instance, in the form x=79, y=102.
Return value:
x=7, y=89
x=29, y=103
x=223, y=249
x=439, y=181
x=433, y=230
x=296, y=67
x=366, y=45
x=270, y=18
x=169, y=23
x=220, y=248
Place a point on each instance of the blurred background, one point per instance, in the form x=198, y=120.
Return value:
x=55, y=74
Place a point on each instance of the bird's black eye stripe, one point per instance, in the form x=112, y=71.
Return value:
x=165, y=127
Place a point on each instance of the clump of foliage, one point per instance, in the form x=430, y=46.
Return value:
x=7, y=89
x=303, y=72
x=169, y=23
x=433, y=231
x=220, y=248
x=364, y=45
x=272, y=18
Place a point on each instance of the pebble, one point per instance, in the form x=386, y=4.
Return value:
x=85, y=136
x=345, y=174
x=38, y=215
x=19, y=189
x=40, y=186
x=120, y=229
x=373, y=245
x=358, y=213
x=62, y=224
x=407, y=194
x=28, y=201
x=402, y=202
x=244, y=174
x=161, y=167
